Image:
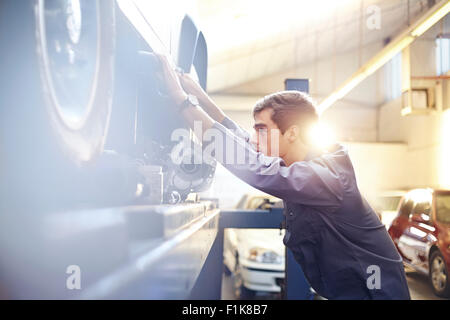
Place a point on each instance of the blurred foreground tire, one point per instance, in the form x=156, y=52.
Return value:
x=56, y=80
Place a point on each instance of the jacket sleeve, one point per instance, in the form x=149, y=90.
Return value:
x=237, y=129
x=315, y=182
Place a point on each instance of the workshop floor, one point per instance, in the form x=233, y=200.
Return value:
x=419, y=288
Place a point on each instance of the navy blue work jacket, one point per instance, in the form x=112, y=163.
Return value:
x=344, y=250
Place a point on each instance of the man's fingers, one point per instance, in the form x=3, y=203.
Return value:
x=168, y=67
x=163, y=60
x=185, y=78
x=181, y=77
x=179, y=71
x=170, y=77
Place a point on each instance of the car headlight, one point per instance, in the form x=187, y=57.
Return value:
x=262, y=255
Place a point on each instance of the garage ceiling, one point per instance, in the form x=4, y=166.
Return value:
x=255, y=39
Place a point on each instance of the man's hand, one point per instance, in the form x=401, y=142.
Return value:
x=178, y=84
x=170, y=78
x=191, y=86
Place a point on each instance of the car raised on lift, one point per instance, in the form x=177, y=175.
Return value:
x=82, y=112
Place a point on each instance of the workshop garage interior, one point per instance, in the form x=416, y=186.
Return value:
x=239, y=150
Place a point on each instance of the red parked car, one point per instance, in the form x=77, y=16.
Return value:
x=421, y=233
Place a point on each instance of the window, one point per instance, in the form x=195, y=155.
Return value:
x=241, y=203
x=406, y=207
x=388, y=203
x=423, y=208
x=262, y=203
x=443, y=208
x=393, y=78
x=442, y=55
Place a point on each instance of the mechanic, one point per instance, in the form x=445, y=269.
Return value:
x=336, y=237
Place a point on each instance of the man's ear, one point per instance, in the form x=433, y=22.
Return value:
x=292, y=133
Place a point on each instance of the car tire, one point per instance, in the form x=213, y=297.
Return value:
x=439, y=275
x=55, y=96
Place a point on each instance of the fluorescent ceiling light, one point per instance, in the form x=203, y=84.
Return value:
x=431, y=21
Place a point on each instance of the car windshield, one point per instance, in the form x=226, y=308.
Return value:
x=260, y=203
x=443, y=208
x=388, y=203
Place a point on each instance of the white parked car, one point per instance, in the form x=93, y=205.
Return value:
x=255, y=257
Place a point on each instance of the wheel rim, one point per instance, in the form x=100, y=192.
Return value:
x=438, y=274
x=69, y=34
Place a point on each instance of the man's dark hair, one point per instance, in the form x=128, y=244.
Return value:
x=289, y=108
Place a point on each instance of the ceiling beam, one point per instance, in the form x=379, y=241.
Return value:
x=403, y=40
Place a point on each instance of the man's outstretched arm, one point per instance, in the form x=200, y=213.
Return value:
x=306, y=182
x=211, y=108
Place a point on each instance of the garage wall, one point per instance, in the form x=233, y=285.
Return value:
x=428, y=143
x=427, y=135
x=378, y=166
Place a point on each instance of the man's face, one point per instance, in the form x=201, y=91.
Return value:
x=267, y=137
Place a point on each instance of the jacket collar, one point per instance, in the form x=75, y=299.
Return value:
x=315, y=152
